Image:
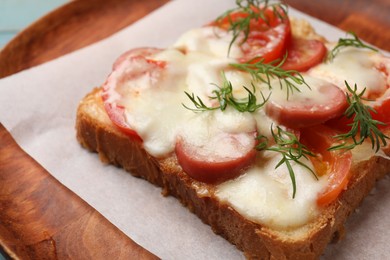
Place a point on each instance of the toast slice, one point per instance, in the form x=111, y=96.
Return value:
x=147, y=86
x=96, y=132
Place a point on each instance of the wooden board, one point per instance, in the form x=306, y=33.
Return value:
x=69, y=28
x=370, y=20
x=42, y=219
x=39, y=217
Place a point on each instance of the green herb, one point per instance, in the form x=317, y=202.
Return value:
x=363, y=126
x=224, y=96
x=265, y=72
x=252, y=10
x=346, y=42
x=198, y=103
x=288, y=145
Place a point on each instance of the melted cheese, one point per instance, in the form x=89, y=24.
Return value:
x=306, y=95
x=212, y=131
x=364, y=152
x=157, y=113
x=263, y=194
x=158, y=117
x=211, y=40
x=356, y=66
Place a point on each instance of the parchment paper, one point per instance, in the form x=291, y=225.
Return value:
x=38, y=107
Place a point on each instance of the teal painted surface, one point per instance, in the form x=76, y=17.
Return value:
x=3, y=255
x=15, y=15
x=4, y=38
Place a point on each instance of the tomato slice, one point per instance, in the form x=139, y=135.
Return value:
x=341, y=123
x=130, y=66
x=219, y=158
x=137, y=52
x=267, y=39
x=382, y=106
x=117, y=115
x=382, y=113
x=307, y=107
x=304, y=54
x=336, y=165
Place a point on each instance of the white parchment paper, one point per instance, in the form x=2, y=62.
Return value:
x=38, y=107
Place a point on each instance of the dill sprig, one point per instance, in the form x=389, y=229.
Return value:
x=346, y=42
x=251, y=10
x=288, y=145
x=265, y=72
x=198, y=103
x=363, y=125
x=224, y=96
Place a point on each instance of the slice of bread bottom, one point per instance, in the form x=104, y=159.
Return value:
x=96, y=133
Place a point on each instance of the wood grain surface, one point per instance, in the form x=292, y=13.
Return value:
x=42, y=219
x=39, y=217
x=69, y=28
x=369, y=19
x=60, y=32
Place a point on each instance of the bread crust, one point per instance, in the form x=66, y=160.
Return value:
x=96, y=133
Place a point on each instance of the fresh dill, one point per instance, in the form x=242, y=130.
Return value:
x=363, y=125
x=346, y=42
x=265, y=72
x=224, y=96
x=288, y=145
x=249, y=11
x=198, y=103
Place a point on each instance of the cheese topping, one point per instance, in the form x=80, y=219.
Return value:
x=156, y=113
x=213, y=130
x=364, y=152
x=356, y=66
x=195, y=63
x=210, y=40
x=264, y=194
x=309, y=94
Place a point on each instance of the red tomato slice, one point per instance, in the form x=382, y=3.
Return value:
x=131, y=65
x=142, y=52
x=341, y=123
x=308, y=107
x=266, y=40
x=209, y=162
x=335, y=164
x=304, y=54
x=117, y=115
x=382, y=108
x=382, y=113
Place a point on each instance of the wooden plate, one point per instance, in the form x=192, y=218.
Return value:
x=40, y=218
x=60, y=32
x=369, y=19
